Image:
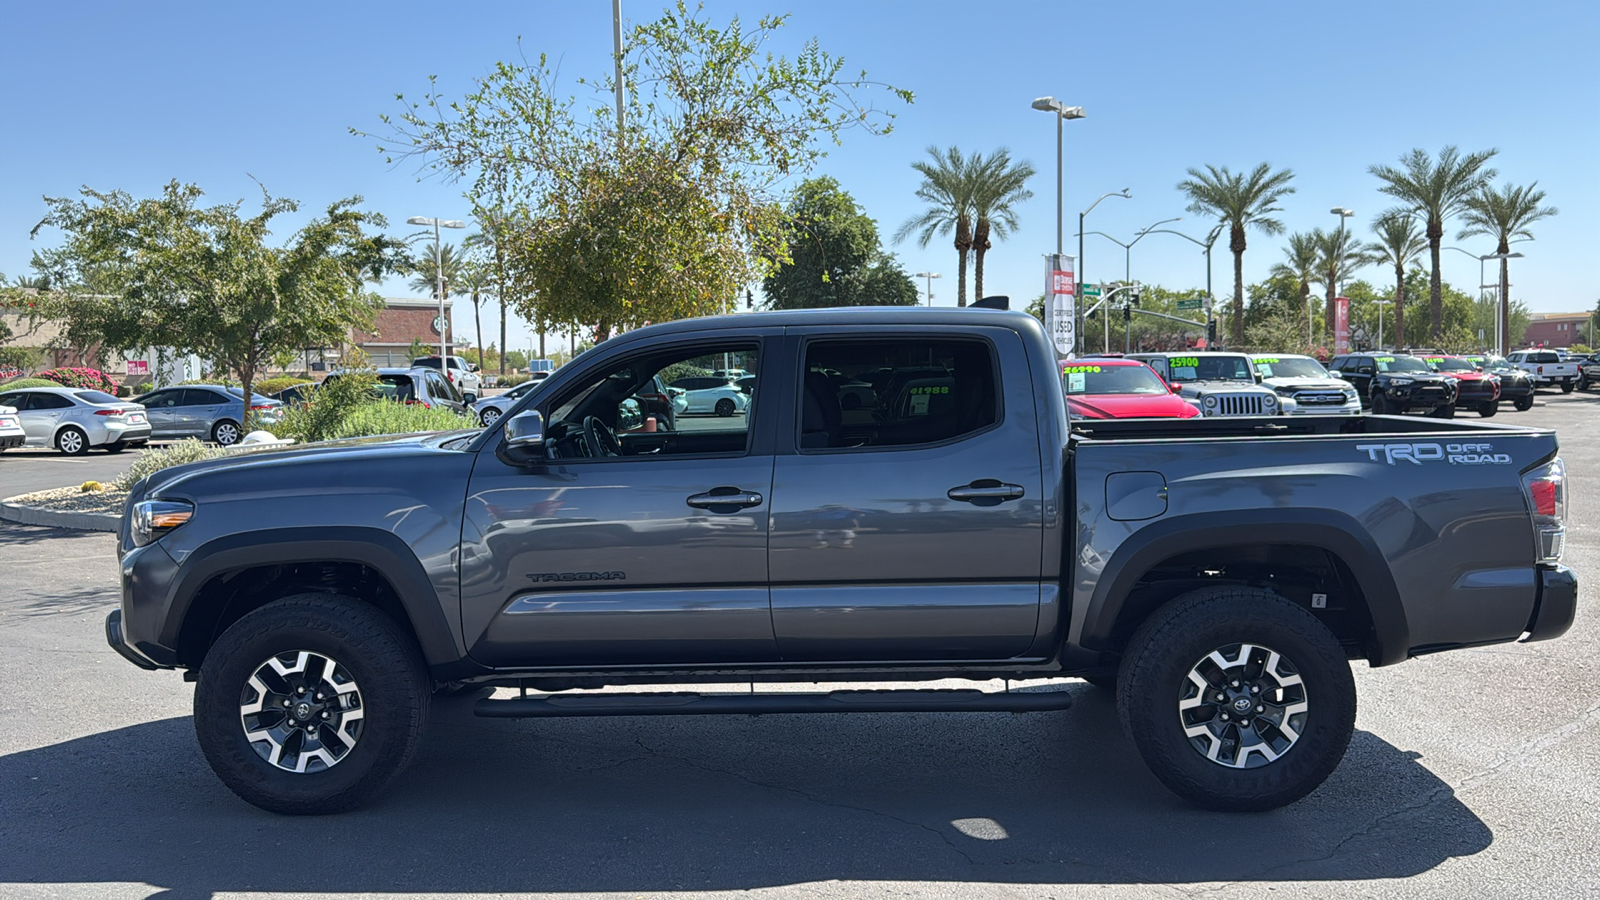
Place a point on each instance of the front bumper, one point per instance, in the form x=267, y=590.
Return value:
x=144, y=625
x=1556, y=606
x=115, y=639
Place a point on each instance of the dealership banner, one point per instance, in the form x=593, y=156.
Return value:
x=1060, y=303
x=1341, y=325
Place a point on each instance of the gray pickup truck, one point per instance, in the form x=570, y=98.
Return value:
x=949, y=522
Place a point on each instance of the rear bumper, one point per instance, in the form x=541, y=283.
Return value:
x=7, y=441
x=1556, y=607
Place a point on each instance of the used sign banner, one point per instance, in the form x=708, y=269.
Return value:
x=1060, y=307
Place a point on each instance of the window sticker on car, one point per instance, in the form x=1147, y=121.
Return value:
x=945, y=389
x=1190, y=362
x=1076, y=381
x=1269, y=360
x=919, y=404
x=1068, y=370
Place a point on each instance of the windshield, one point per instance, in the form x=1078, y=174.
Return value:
x=1082, y=378
x=1289, y=367
x=1450, y=364
x=1401, y=364
x=1210, y=368
x=95, y=397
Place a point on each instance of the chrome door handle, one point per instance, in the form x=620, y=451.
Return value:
x=725, y=497
x=986, y=489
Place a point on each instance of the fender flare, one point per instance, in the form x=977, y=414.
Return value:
x=381, y=550
x=1335, y=532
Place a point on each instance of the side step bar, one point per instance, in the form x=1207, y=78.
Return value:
x=688, y=704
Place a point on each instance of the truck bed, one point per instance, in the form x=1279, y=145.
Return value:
x=1271, y=426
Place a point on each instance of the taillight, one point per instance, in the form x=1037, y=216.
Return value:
x=1546, y=487
x=419, y=403
x=108, y=412
x=1541, y=370
x=260, y=408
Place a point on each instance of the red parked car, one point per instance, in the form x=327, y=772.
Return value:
x=1475, y=389
x=1102, y=388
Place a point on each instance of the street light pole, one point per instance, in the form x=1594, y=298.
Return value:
x=1503, y=319
x=438, y=272
x=1380, y=304
x=930, y=276
x=1062, y=112
x=1079, y=276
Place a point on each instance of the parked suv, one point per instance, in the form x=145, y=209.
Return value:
x=1303, y=380
x=1220, y=384
x=1395, y=384
x=1475, y=389
x=423, y=387
x=462, y=374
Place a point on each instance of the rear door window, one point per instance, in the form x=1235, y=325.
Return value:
x=921, y=391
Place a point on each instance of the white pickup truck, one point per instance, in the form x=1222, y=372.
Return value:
x=1546, y=368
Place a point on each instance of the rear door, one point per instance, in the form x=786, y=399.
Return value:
x=911, y=528
x=161, y=409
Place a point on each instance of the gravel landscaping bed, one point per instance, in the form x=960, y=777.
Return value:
x=71, y=499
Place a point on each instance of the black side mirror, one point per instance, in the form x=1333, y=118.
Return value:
x=525, y=431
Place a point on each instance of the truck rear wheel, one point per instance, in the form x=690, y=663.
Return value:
x=1237, y=699
x=1524, y=404
x=1567, y=386
x=1488, y=408
x=311, y=704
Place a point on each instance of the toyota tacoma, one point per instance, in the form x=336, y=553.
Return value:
x=1219, y=574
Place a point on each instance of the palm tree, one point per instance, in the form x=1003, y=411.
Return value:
x=1238, y=201
x=427, y=276
x=1338, y=255
x=1299, y=264
x=998, y=186
x=1504, y=215
x=1436, y=190
x=1399, y=243
x=473, y=282
x=493, y=238
x=947, y=189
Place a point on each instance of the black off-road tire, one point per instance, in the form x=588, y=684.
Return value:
x=381, y=659
x=1488, y=408
x=1525, y=404
x=1447, y=411
x=1179, y=637
x=1567, y=386
x=1380, y=405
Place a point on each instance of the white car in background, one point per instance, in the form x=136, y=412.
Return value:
x=11, y=433
x=724, y=401
x=74, y=419
x=462, y=374
x=1303, y=380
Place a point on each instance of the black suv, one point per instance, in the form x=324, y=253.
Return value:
x=1394, y=384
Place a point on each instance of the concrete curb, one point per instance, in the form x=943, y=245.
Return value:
x=48, y=518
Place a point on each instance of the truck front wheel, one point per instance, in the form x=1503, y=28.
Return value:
x=1237, y=699
x=311, y=704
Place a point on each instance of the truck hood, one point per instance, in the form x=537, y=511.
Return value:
x=1306, y=384
x=1201, y=388
x=276, y=464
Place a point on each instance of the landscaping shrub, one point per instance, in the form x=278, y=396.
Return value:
x=388, y=417
x=270, y=386
x=512, y=380
x=187, y=450
x=28, y=383
x=80, y=377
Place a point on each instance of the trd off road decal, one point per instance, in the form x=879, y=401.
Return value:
x=578, y=576
x=1419, y=453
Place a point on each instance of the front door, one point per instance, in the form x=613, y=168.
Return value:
x=623, y=545
x=910, y=526
x=161, y=408
x=41, y=416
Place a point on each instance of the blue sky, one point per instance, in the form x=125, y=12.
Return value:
x=128, y=96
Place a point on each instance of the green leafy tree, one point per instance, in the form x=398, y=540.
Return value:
x=1436, y=190
x=204, y=280
x=1239, y=201
x=832, y=255
x=999, y=186
x=947, y=189
x=1506, y=216
x=669, y=215
x=1400, y=242
x=1339, y=255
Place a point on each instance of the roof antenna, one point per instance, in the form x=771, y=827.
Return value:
x=998, y=301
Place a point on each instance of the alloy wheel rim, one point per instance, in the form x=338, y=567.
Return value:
x=1243, y=706
x=490, y=416
x=227, y=434
x=71, y=442
x=301, y=712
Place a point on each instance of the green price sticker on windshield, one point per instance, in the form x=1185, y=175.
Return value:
x=1070, y=370
x=1434, y=358
x=1384, y=359
x=1184, y=362
x=1269, y=360
x=929, y=390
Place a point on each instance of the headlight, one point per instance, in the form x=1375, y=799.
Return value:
x=1400, y=382
x=1210, y=401
x=1350, y=396
x=1269, y=400
x=154, y=518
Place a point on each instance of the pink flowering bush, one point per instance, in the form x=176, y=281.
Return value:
x=80, y=377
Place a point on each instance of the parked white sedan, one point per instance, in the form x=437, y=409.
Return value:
x=11, y=433
x=74, y=419
x=724, y=401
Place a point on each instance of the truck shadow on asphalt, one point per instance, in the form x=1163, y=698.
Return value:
x=714, y=803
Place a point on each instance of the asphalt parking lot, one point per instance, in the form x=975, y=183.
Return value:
x=1472, y=774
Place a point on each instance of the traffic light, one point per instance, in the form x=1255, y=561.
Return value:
x=1211, y=333
x=749, y=300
